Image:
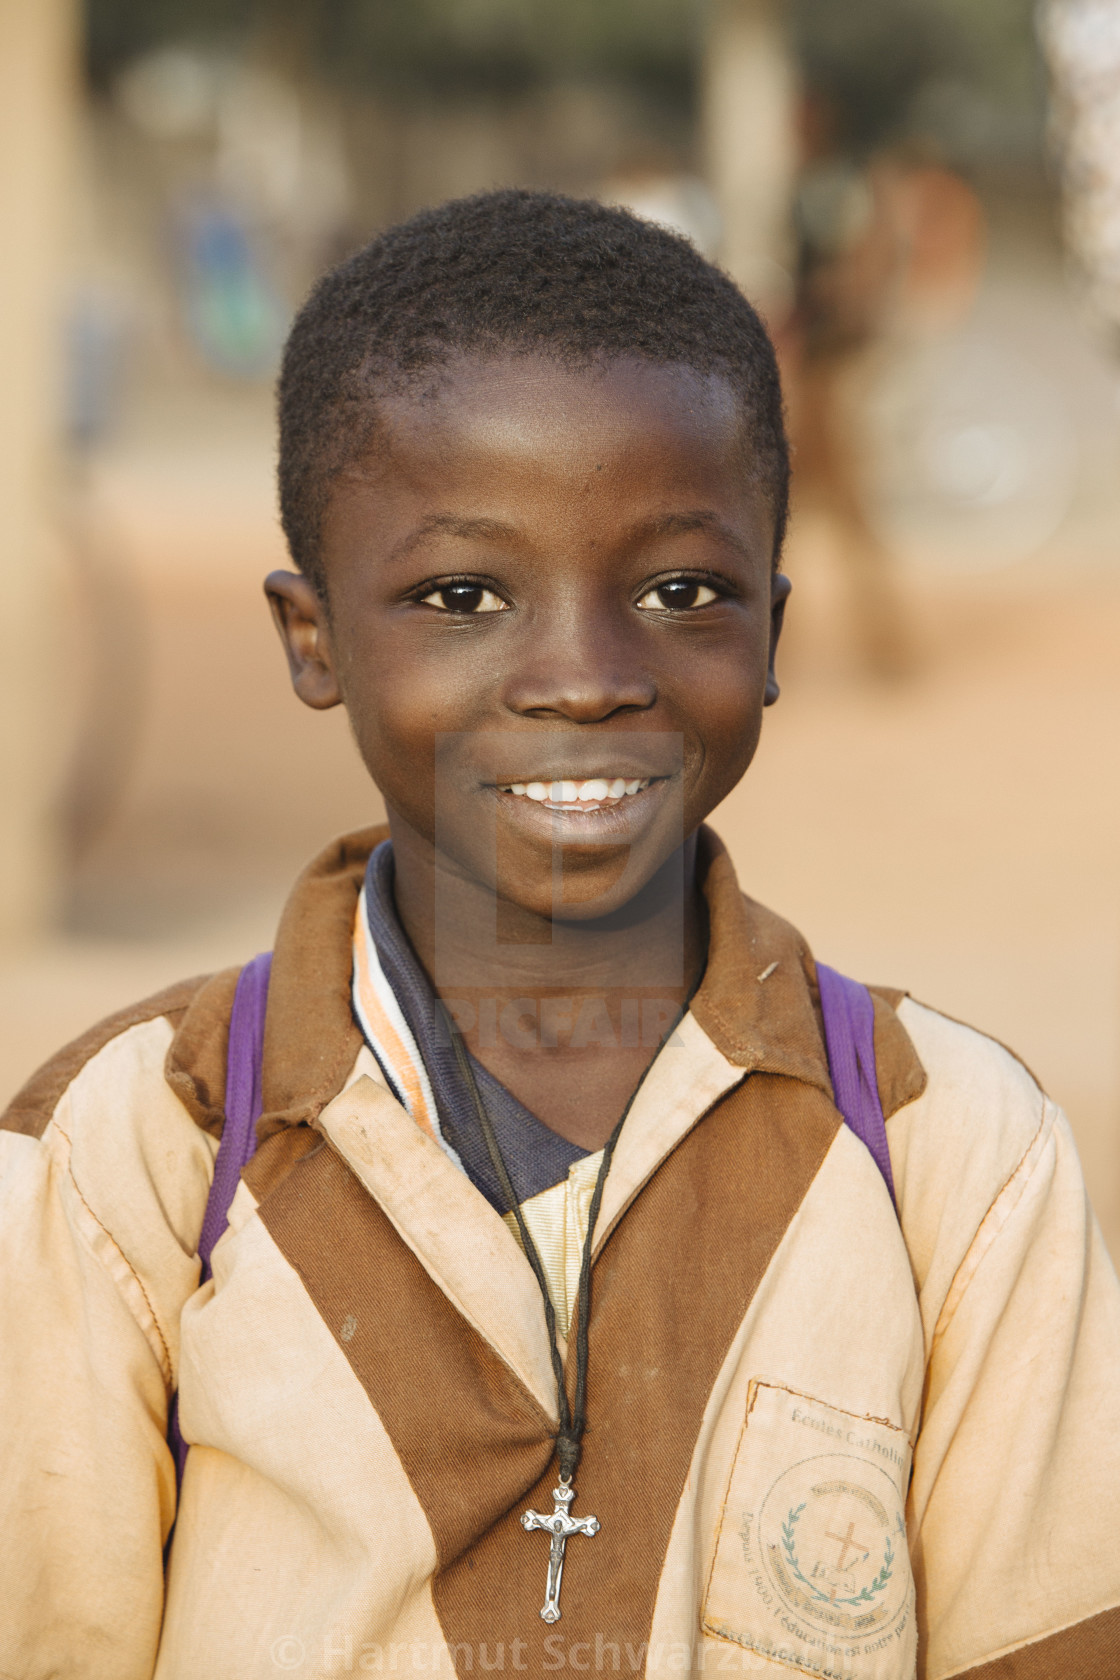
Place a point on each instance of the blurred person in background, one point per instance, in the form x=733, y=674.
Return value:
x=889, y=242
x=887, y=248
x=1082, y=42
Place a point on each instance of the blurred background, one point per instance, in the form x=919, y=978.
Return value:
x=922, y=197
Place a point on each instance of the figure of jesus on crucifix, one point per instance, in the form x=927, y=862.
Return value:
x=561, y=1525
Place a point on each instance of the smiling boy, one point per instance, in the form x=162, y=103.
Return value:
x=553, y=1222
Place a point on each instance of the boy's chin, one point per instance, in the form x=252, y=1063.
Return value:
x=583, y=884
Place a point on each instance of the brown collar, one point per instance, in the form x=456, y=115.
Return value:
x=759, y=1003
x=758, y=999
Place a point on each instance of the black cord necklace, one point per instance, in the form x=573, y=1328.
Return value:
x=569, y=1441
x=559, y=1523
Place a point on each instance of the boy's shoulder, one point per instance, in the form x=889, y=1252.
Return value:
x=978, y=1097
x=141, y=1024
x=965, y=1061
x=967, y=1150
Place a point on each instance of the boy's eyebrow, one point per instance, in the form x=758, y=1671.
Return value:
x=700, y=519
x=454, y=526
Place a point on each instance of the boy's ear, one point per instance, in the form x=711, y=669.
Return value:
x=779, y=594
x=300, y=615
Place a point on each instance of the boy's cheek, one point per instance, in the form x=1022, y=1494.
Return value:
x=396, y=714
x=728, y=727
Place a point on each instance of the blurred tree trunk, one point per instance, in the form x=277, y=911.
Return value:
x=749, y=123
x=38, y=56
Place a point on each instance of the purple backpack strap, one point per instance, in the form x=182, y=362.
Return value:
x=243, y=1100
x=849, y=1035
x=239, y=1132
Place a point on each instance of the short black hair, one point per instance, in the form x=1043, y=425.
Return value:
x=513, y=269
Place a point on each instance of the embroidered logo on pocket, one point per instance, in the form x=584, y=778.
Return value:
x=811, y=1566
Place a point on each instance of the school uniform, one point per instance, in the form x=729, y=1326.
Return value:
x=823, y=1436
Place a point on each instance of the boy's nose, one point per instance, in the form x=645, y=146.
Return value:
x=581, y=673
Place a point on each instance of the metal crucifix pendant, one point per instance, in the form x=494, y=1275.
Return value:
x=561, y=1525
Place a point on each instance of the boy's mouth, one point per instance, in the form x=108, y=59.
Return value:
x=595, y=793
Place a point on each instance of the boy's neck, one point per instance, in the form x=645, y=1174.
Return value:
x=597, y=996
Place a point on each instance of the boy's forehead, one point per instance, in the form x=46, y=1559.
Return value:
x=545, y=414
x=532, y=450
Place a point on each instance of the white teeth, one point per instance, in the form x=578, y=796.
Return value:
x=572, y=793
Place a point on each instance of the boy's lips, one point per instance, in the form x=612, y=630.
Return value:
x=593, y=808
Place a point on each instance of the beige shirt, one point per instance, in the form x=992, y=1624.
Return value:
x=821, y=1438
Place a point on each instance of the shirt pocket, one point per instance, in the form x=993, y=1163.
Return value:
x=811, y=1566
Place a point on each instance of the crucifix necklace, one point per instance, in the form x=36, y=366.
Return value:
x=559, y=1524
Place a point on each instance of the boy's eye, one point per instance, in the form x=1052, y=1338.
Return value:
x=676, y=593
x=464, y=598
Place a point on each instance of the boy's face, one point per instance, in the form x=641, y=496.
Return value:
x=541, y=575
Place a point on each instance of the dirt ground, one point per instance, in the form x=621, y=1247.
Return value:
x=956, y=833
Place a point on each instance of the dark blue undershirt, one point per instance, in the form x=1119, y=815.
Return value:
x=535, y=1156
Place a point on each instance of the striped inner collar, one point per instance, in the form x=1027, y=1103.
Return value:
x=395, y=1005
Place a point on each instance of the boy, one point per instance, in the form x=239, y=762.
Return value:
x=552, y=1223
